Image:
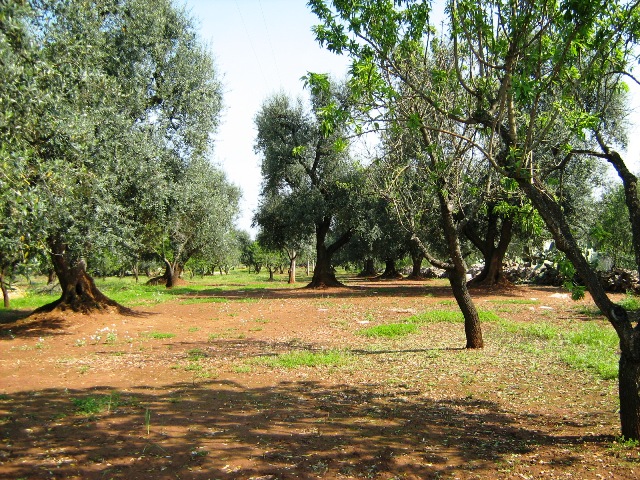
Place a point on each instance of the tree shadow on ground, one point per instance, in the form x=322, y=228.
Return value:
x=36, y=327
x=401, y=290
x=221, y=429
x=9, y=315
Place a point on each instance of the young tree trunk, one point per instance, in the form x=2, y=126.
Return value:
x=4, y=288
x=472, y=329
x=79, y=291
x=51, y=276
x=369, y=269
x=323, y=274
x=628, y=385
x=271, y=271
x=458, y=275
x=629, y=373
x=292, y=267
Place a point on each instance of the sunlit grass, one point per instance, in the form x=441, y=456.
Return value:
x=450, y=316
x=389, y=330
x=305, y=358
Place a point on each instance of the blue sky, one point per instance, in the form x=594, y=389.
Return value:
x=263, y=47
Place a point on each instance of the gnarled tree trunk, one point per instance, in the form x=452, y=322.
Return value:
x=369, y=269
x=323, y=273
x=79, y=291
x=390, y=270
x=492, y=272
x=171, y=276
x=416, y=265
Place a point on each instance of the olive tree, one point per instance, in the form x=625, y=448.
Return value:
x=535, y=80
x=128, y=97
x=306, y=164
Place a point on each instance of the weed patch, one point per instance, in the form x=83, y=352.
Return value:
x=158, y=335
x=389, y=330
x=306, y=359
x=94, y=405
x=450, y=316
x=593, y=347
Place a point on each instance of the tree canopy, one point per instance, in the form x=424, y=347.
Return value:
x=534, y=85
x=114, y=101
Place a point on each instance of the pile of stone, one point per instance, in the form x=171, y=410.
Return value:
x=620, y=280
x=544, y=273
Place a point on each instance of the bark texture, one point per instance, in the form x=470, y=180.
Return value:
x=390, y=270
x=628, y=387
x=493, y=248
x=79, y=291
x=323, y=274
x=5, y=290
x=416, y=265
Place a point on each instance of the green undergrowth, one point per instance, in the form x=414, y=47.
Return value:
x=130, y=293
x=591, y=346
x=388, y=330
x=305, y=358
x=449, y=316
x=411, y=324
x=96, y=404
x=158, y=335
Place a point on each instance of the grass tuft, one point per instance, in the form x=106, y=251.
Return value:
x=389, y=330
x=94, y=405
x=306, y=358
x=593, y=347
x=450, y=316
x=630, y=302
x=158, y=335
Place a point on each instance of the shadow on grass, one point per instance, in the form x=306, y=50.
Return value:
x=221, y=429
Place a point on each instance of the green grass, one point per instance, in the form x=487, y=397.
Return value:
x=159, y=335
x=190, y=301
x=389, y=330
x=516, y=301
x=594, y=348
x=32, y=300
x=595, y=335
x=93, y=405
x=450, y=316
x=196, y=354
x=131, y=294
x=305, y=358
x=630, y=302
x=540, y=330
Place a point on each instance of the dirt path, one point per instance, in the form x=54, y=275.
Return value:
x=185, y=390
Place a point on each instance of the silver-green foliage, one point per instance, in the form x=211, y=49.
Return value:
x=108, y=104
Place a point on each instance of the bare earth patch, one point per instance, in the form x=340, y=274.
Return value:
x=185, y=390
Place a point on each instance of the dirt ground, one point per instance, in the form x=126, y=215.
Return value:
x=202, y=405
